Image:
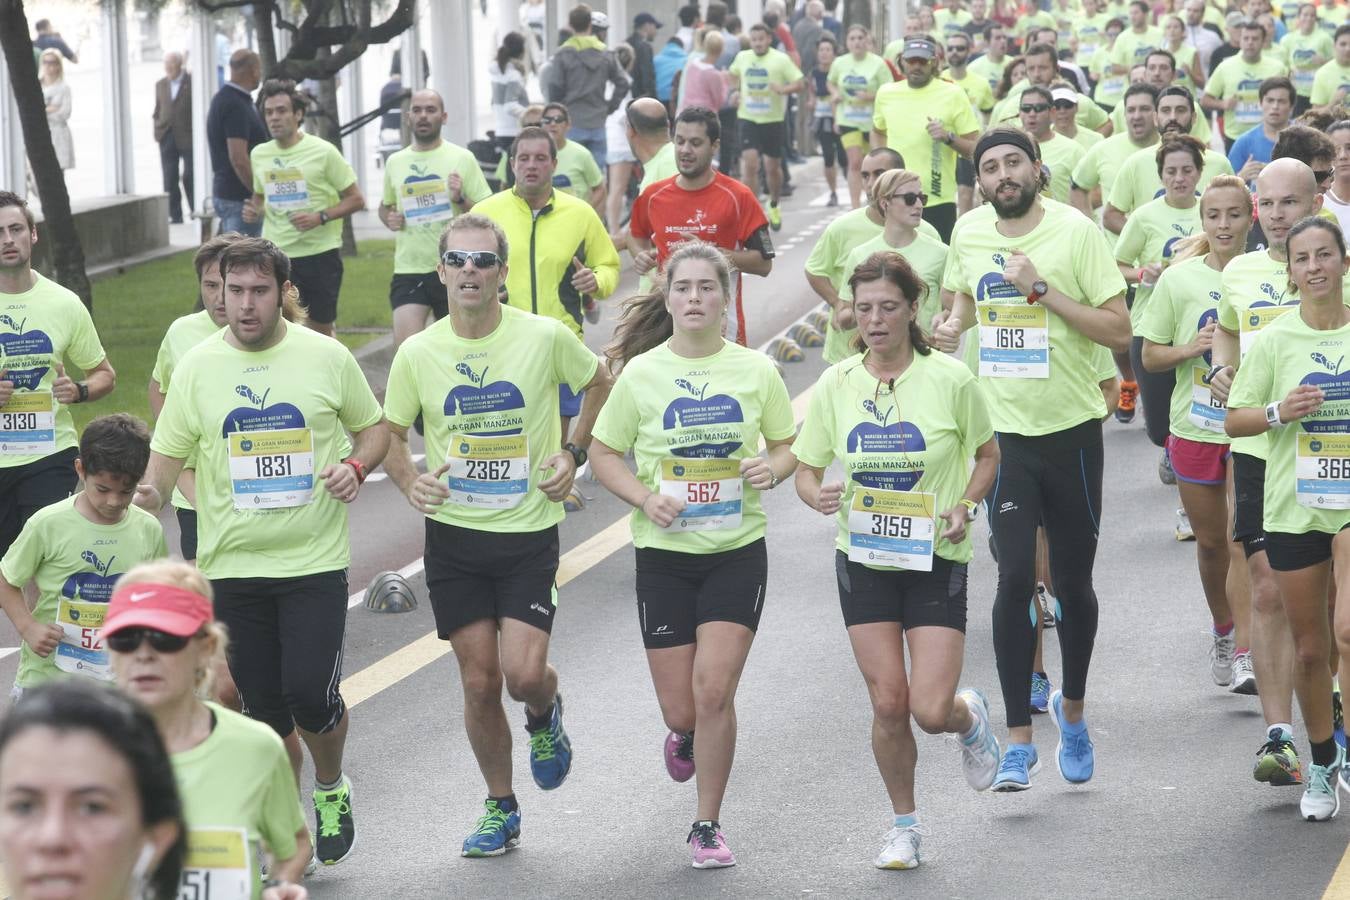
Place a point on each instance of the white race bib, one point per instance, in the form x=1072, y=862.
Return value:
x=1253, y=319
x=272, y=469
x=491, y=472
x=1322, y=470
x=1207, y=412
x=711, y=490
x=285, y=189
x=425, y=201
x=1248, y=110
x=81, y=650
x=1014, y=341
x=218, y=865
x=28, y=424
x=892, y=528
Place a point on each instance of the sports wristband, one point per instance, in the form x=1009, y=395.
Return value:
x=84, y=392
x=1273, y=414
x=358, y=467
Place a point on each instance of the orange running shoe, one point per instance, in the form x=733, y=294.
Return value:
x=1129, y=392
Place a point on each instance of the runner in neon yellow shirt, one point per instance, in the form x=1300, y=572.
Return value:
x=1161, y=72
x=1290, y=388
x=1306, y=49
x=950, y=18
x=905, y=423
x=995, y=59
x=1099, y=167
x=1189, y=73
x=1089, y=27
x=74, y=550
x=577, y=172
x=1109, y=87
x=235, y=780
x=1038, y=279
x=1136, y=41
x=1065, y=113
x=693, y=408
x=267, y=408
x=1232, y=86
x=485, y=381
x=1331, y=83
x=1060, y=155
x=854, y=80
x=765, y=77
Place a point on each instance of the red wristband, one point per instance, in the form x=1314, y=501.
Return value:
x=358, y=467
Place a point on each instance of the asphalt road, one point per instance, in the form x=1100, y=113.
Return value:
x=1172, y=811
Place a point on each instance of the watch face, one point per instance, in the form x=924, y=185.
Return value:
x=1040, y=287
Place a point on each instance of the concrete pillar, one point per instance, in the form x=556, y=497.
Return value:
x=896, y=12
x=620, y=24
x=350, y=91
x=202, y=61
x=508, y=19
x=119, y=175
x=453, y=66
x=13, y=170
x=410, y=47
x=751, y=11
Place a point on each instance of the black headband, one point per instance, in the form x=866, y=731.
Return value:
x=1000, y=136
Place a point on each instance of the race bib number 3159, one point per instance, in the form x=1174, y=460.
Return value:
x=892, y=528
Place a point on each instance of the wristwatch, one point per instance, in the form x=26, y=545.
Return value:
x=578, y=454
x=323, y=217
x=972, y=509
x=1038, y=290
x=84, y=392
x=1273, y=414
x=358, y=467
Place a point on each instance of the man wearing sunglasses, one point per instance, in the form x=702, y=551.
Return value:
x=1058, y=154
x=1043, y=68
x=492, y=498
x=425, y=185
x=981, y=97
x=285, y=429
x=576, y=171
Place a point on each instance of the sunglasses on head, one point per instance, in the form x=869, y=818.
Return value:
x=909, y=198
x=1034, y=107
x=1065, y=104
x=129, y=640
x=553, y=120
x=482, y=259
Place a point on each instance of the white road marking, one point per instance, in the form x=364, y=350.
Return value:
x=7, y=651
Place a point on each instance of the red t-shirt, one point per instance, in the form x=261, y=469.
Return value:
x=725, y=213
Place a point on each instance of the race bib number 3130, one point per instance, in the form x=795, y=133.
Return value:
x=28, y=424
x=892, y=528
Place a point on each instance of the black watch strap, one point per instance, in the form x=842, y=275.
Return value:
x=579, y=454
x=84, y=392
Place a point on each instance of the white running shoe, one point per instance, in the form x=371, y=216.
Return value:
x=1183, y=530
x=1244, y=676
x=1321, y=800
x=1221, y=658
x=901, y=850
x=979, y=752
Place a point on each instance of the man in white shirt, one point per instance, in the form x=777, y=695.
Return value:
x=1204, y=40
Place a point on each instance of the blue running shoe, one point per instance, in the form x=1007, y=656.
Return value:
x=550, y=750
x=1019, y=763
x=497, y=832
x=1040, y=692
x=1074, y=754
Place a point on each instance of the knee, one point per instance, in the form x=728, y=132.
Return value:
x=712, y=697
x=890, y=706
x=1310, y=652
x=482, y=684
x=932, y=715
x=523, y=685
x=1266, y=598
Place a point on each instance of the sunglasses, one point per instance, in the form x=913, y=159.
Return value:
x=482, y=259
x=1065, y=104
x=553, y=120
x=952, y=48
x=1321, y=175
x=909, y=198
x=129, y=640
x=1034, y=107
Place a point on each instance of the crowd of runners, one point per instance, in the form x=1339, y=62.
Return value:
x=1046, y=235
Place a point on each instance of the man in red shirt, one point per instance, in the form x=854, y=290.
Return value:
x=701, y=203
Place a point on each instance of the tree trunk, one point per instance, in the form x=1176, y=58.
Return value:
x=267, y=39
x=326, y=126
x=63, y=242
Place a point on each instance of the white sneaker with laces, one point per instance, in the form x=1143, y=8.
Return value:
x=1183, y=530
x=1221, y=658
x=1321, y=799
x=901, y=850
x=1244, y=676
x=979, y=752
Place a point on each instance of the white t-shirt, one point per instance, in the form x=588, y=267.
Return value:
x=1341, y=209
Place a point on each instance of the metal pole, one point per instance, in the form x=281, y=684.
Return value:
x=13, y=171
x=410, y=48
x=119, y=175
x=453, y=74
x=349, y=103
x=203, y=56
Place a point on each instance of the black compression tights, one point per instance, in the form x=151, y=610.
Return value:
x=1055, y=480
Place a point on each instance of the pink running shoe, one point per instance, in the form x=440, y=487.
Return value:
x=679, y=752
x=709, y=847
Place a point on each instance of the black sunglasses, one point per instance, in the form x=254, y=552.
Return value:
x=482, y=259
x=1065, y=104
x=1321, y=175
x=909, y=198
x=953, y=47
x=129, y=640
x=1034, y=107
x=553, y=120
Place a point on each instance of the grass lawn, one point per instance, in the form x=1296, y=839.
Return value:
x=132, y=311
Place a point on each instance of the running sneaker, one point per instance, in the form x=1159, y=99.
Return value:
x=834, y=199
x=979, y=752
x=679, y=752
x=775, y=218
x=1184, y=532
x=1221, y=657
x=1321, y=800
x=575, y=501
x=1047, y=607
x=337, y=829
x=1040, y=692
x=1074, y=754
x=1277, y=761
x=1165, y=472
x=901, y=850
x=1019, y=763
x=1129, y=392
x=550, y=750
x=708, y=847
x=496, y=832
x=1244, y=676
x=591, y=309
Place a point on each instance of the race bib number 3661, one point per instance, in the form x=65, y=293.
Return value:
x=1322, y=469
x=892, y=528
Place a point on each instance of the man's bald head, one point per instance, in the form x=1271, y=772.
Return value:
x=246, y=69
x=1286, y=191
x=426, y=97
x=648, y=118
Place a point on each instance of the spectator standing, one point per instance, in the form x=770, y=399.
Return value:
x=667, y=63
x=56, y=95
x=233, y=128
x=645, y=26
x=703, y=85
x=173, y=132
x=689, y=23
x=579, y=73
x=509, y=97
x=47, y=39
x=806, y=34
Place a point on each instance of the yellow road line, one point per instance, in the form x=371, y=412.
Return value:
x=1339, y=888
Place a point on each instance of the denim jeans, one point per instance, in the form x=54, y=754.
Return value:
x=231, y=216
x=593, y=139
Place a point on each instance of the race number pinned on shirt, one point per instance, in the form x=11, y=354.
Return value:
x=285, y=189
x=758, y=99
x=1322, y=470
x=489, y=471
x=28, y=424
x=272, y=469
x=218, y=865
x=1253, y=320
x=711, y=490
x=892, y=528
x=1248, y=109
x=1207, y=411
x=81, y=651
x=425, y=201
x=1014, y=341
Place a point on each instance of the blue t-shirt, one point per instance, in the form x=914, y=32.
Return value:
x=232, y=115
x=1253, y=143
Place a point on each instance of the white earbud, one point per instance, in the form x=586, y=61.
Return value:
x=142, y=867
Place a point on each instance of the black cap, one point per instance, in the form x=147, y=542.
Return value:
x=645, y=18
x=919, y=48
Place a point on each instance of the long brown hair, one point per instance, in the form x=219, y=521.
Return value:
x=894, y=269
x=645, y=322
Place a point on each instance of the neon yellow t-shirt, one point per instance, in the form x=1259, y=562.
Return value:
x=1235, y=78
x=1300, y=50
x=949, y=22
x=989, y=70
x=926, y=255
x=678, y=413
x=1186, y=299
x=1028, y=22
x=502, y=386
x=756, y=73
x=40, y=327
x=921, y=438
x=261, y=513
x=1092, y=41
x=75, y=563
x=415, y=184
x=1288, y=354
x=576, y=171
x=1071, y=256
x=981, y=97
x=660, y=167
x=1087, y=139
x=306, y=177
x=184, y=333
x=1131, y=48
x=1328, y=80
x=1099, y=167
x=1250, y=283
x=853, y=76
x=1110, y=87
x=1061, y=156
x=1329, y=18
x=1137, y=182
x=1149, y=236
x=903, y=112
x=239, y=798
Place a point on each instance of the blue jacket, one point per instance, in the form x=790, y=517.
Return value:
x=670, y=60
